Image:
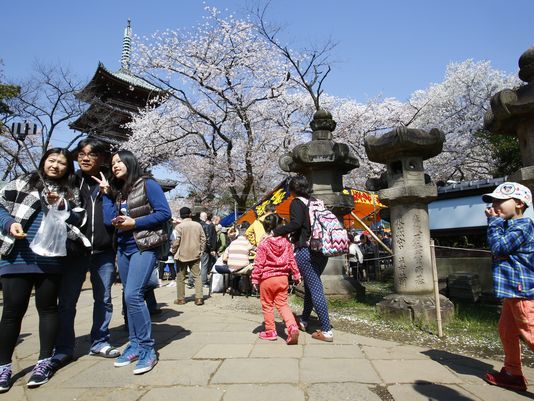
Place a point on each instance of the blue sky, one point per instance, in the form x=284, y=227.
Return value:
x=384, y=47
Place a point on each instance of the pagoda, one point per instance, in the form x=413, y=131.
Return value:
x=114, y=97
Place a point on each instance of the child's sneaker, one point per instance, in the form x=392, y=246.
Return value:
x=147, y=360
x=292, y=335
x=130, y=354
x=41, y=373
x=506, y=380
x=269, y=335
x=5, y=377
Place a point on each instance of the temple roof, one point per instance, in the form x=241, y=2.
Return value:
x=114, y=97
x=121, y=78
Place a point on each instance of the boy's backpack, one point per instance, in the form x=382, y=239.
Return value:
x=327, y=234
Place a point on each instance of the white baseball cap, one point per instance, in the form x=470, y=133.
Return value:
x=510, y=190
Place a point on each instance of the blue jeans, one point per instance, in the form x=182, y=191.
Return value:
x=135, y=270
x=102, y=269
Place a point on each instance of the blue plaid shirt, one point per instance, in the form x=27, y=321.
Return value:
x=512, y=244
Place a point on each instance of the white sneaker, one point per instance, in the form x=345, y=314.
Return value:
x=171, y=284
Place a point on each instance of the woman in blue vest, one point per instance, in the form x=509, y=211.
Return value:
x=136, y=206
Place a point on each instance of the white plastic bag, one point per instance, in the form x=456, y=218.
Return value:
x=51, y=239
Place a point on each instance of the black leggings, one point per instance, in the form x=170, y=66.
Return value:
x=17, y=290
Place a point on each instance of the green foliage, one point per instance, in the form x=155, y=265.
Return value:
x=7, y=92
x=505, y=150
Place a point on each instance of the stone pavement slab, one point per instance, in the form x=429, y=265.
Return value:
x=260, y=370
x=328, y=370
x=213, y=352
x=411, y=371
x=429, y=391
x=341, y=392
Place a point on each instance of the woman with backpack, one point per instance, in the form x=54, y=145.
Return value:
x=311, y=264
x=135, y=205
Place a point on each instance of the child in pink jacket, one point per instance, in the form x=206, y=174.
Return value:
x=272, y=265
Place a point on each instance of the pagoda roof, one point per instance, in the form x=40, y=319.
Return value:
x=127, y=76
x=121, y=77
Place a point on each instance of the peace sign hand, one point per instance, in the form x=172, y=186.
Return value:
x=103, y=183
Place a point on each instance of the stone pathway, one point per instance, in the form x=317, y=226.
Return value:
x=212, y=353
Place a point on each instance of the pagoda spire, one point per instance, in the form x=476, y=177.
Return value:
x=126, y=47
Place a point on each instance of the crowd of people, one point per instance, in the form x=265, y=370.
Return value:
x=117, y=220
x=111, y=216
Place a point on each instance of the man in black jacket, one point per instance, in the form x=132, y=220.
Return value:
x=91, y=156
x=209, y=255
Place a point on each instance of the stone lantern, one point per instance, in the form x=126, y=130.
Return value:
x=324, y=162
x=512, y=113
x=407, y=194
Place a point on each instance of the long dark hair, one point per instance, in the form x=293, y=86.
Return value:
x=133, y=173
x=65, y=183
x=299, y=186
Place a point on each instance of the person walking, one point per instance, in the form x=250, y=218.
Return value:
x=210, y=252
x=273, y=264
x=24, y=203
x=511, y=241
x=187, y=249
x=135, y=205
x=310, y=263
x=91, y=155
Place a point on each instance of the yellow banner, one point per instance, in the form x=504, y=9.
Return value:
x=364, y=197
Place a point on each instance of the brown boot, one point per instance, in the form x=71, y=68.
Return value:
x=179, y=301
x=199, y=301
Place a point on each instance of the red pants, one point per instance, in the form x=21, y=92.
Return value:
x=273, y=292
x=516, y=322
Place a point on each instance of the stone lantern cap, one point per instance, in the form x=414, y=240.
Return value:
x=321, y=152
x=404, y=142
x=510, y=106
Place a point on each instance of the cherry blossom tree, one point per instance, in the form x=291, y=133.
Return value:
x=456, y=106
x=231, y=110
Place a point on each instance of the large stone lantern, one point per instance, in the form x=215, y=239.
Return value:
x=512, y=113
x=407, y=195
x=324, y=162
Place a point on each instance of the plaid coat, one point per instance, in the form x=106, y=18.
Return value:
x=512, y=245
x=22, y=202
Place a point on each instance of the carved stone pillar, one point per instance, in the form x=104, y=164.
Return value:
x=407, y=195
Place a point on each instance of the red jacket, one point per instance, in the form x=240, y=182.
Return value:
x=274, y=257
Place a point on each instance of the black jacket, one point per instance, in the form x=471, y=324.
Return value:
x=211, y=236
x=94, y=229
x=298, y=226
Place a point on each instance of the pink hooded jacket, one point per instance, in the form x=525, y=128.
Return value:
x=274, y=257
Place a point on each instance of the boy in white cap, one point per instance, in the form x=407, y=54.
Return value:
x=511, y=240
